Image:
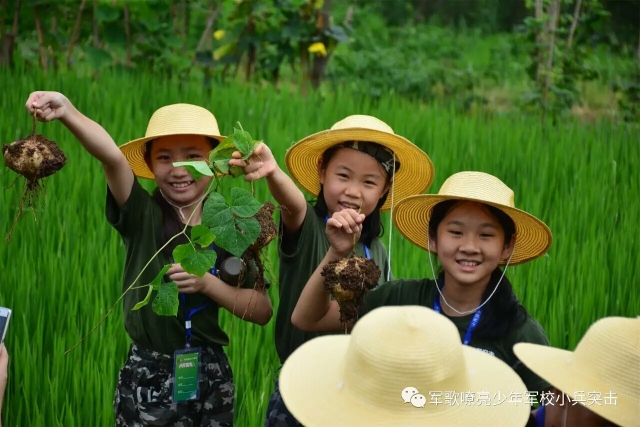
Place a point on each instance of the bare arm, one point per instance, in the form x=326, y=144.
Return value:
x=252, y=305
x=92, y=136
x=281, y=186
x=315, y=311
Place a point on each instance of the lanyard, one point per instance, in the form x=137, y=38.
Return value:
x=366, y=248
x=472, y=325
x=190, y=313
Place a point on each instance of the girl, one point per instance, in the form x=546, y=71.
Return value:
x=145, y=392
x=473, y=227
x=352, y=166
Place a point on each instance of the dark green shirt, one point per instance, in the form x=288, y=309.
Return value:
x=139, y=224
x=297, y=265
x=423, y=292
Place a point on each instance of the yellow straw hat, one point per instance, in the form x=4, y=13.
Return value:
x=414, y=176
x=175, y=119
x=412, y=215
x=604, y=368
x=400, y=366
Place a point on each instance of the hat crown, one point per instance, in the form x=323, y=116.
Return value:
x=363, y=122
x=394, y=348
x=610, y=352
x=478, y=185
x=177, y=119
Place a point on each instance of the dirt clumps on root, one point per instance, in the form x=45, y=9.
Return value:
x=268, y=232
x=34, y=157
x=348, y=280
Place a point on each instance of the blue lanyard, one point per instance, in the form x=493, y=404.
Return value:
x=366, y=248
x=472, y=325
x=190, y=313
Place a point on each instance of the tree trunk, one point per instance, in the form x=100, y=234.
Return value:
x=540, y=38
x=8, y=40
x=127, y=32
x=554, y=13
x=76, y=31
x=574, y=23
x=320, y=62
x=96, y=41
x=43, y=52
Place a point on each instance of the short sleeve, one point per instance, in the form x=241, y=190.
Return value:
x=383, y=295
x=532, y=332
x=290, y=242
x=127, y=219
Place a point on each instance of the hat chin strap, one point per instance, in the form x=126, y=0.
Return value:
x=185, y=206
x=462, y=313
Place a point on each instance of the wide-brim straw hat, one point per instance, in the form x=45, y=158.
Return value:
x=358, y=379
x=174, y=119
x=412, y=215
x=414, y=176
x=604, y=368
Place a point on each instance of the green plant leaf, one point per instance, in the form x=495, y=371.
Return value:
x=195, y=261
x=243, y=204
x=166, y=301
x=243, y=141
x=237, y=235
x=155, y=283
x=202, y=236
x=216, y=212
x=196, y=169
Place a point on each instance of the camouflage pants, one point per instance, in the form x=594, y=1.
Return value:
x=277, y=413
x=144, y=393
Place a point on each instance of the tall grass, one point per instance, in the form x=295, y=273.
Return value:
x=63, y=273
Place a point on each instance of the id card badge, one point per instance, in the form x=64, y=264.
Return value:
x=186, y=374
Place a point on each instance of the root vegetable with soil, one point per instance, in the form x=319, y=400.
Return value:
x=268, y=232
x=34, y=157
x=348, y=280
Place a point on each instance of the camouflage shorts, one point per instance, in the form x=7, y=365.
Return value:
x=277, y=413
x=144, y=392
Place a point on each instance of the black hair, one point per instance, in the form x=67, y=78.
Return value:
x=503, y=312
x=372, y=226
x=171, y=223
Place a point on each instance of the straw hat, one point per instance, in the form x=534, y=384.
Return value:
x=175, y=119
x=414, y=176
x=361, y=379
x=412, y=215
x=606, y=360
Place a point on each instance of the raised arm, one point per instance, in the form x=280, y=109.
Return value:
x=54, y=105
x=315, y=311
x=262, y=164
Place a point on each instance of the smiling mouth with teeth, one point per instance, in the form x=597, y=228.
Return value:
x=469, y=263
x=349, y=206
x=181, y=184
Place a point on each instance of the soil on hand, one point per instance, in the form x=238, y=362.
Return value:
x=348, y=280
x=34, y=157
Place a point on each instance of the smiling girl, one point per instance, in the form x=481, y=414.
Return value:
x=145, y=393
x=473, y=227
x=354, y=165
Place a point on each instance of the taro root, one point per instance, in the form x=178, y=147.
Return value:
x=34, y=157
x=268, y=232
x=348, y=280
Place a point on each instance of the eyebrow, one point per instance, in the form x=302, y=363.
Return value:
x=166, y=150
x=369, y=175
x=461, y=224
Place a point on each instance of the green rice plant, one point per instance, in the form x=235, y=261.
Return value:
x=64, y=272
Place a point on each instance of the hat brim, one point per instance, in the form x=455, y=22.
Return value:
x=559, y=368
x=412, y=214
x=310, y=387
x=134, y=152
x=414, y=176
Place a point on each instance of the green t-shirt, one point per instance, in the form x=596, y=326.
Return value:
x=139, y=224
x=423, y=292
x=296, y=267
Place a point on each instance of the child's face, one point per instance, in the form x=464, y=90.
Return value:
x=350, y=179
x=177, y=184
x=470, y=244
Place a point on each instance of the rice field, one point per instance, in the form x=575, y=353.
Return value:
x=62, y=274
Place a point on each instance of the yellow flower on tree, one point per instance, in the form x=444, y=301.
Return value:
x=318, y=48
x=218, y=34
